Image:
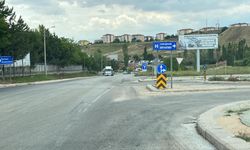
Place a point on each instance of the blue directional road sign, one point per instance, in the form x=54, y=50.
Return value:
x=161, y=68
x=6, y=60
x=144, y=67
x=164, y=46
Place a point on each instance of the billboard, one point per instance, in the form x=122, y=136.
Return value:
x=198, y=41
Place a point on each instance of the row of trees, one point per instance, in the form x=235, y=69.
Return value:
x=17, y=39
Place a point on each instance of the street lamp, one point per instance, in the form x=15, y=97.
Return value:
x=44, y=42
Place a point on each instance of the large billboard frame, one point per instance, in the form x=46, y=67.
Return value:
x=198, y=41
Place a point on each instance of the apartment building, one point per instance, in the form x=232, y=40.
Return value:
x=126, y=38
x=119, y=38
x=108, y=38
x=160, y=36
x=185, y=31
x=83, y=42
x=207, y=29
x=239, y=25
x=149, y=38
x=138, y=37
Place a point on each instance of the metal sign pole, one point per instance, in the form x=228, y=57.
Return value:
x=2, y=72
x=171, y=64
x=198, y=60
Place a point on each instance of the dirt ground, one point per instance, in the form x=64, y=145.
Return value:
x=233, y=124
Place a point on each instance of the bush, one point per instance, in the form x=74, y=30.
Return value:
x=216, y=79
x=233, y=79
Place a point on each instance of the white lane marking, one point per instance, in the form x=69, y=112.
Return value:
x=98, y=97
x=95, y=100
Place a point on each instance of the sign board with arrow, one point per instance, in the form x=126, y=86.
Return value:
x=164, y=46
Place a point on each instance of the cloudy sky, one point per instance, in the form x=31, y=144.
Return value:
x=90, y=19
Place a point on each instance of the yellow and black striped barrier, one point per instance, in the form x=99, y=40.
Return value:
x=161, y=82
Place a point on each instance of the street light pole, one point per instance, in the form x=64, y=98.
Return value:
x=45, y=57
x=45, y=51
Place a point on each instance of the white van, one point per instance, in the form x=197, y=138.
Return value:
x=108, y=71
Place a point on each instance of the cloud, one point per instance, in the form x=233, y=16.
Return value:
x=45, y=7
x=164, y=5
x=90, y=19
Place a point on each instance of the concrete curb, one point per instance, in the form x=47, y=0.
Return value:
x=216, y=135
x=41, y=82
x=151, y=88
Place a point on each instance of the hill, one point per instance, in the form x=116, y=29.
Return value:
x=234, y=35
x=116, y=48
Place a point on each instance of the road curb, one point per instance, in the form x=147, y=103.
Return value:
x=41, y=82
x=216, y=135
x=151, y=88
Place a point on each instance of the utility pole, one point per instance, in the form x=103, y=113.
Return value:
x=44, y=50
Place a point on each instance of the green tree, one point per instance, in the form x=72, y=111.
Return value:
x=5, y=13
x=241, y=49
x=20, y=39
x=136, y=58
x=125, y=54
x=230, y=55
x=145, y=53
x=224, y=53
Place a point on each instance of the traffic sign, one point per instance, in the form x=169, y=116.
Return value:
x=6, y=60
x=179, y=60
x=144, y=67
x=161, y=68
x=164, y=46
x=161, y=82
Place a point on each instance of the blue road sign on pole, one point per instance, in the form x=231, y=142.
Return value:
x=161, y=68
x=6, y=60
x=164, y=46
x=144, y=67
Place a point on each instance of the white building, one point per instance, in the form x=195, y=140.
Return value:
x=185, y=31
x=138, y=37
x=207, y=29
x=239, y=25
x=126, y=38
x=149, y=38
x=160, y=36
x=108, y=38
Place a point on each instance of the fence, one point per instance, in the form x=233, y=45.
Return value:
x=10, y=70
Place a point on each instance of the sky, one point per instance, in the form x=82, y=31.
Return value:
x=90, y=19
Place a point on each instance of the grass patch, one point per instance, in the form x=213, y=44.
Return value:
x=144, y=73
x=238, y=112
x=35, y=78
x=229, y=70
x=244, y=136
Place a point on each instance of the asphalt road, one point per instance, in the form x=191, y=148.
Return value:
x=104, y=113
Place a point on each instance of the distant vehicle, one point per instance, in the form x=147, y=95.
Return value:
x=108, y=71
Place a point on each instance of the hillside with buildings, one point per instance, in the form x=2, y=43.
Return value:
x=234, y=34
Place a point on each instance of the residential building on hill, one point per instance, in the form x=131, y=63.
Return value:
x=239, y=25
x=108, y=38
x=126, y=38
x=83, y=42
x=160, y=36
x=208, y=29
x=185, y=31
x=138, y=37
x=149, y=38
